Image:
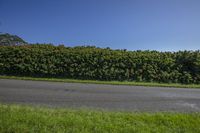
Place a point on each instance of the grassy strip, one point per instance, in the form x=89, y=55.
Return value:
x=21, y=119
x=133, y=83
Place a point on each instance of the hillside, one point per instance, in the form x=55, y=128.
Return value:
x=11, y=40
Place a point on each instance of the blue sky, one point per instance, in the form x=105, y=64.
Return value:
x=164, y=25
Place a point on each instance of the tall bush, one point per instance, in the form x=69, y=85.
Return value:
x=88, y=62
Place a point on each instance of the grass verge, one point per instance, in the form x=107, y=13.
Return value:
x=21, y=119
x=133, y=83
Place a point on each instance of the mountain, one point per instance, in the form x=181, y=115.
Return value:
x=11, y=40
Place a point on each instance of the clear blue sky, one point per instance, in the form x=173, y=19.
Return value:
x=166, y=25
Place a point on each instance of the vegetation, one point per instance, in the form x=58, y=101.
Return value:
x=11, y=40
x=18, y=119
x=93, y=63
x=133, y=83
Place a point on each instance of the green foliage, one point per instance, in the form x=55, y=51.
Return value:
x=89, y=62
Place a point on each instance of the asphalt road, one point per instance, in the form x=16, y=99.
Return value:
x=106, y=97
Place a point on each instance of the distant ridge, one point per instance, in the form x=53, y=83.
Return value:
x=11, y=40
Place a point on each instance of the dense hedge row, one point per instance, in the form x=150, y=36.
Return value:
x=100, y=64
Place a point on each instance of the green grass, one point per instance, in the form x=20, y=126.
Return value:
x=26, y=119
x=133, y=83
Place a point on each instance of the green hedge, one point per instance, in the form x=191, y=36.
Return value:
x=89, y=62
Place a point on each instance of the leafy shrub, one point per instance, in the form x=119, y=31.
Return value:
x=89, y=62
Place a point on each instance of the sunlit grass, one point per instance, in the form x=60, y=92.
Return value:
x=22, y=119
x=133, y=83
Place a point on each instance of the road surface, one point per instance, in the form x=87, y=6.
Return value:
x=106, y=97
